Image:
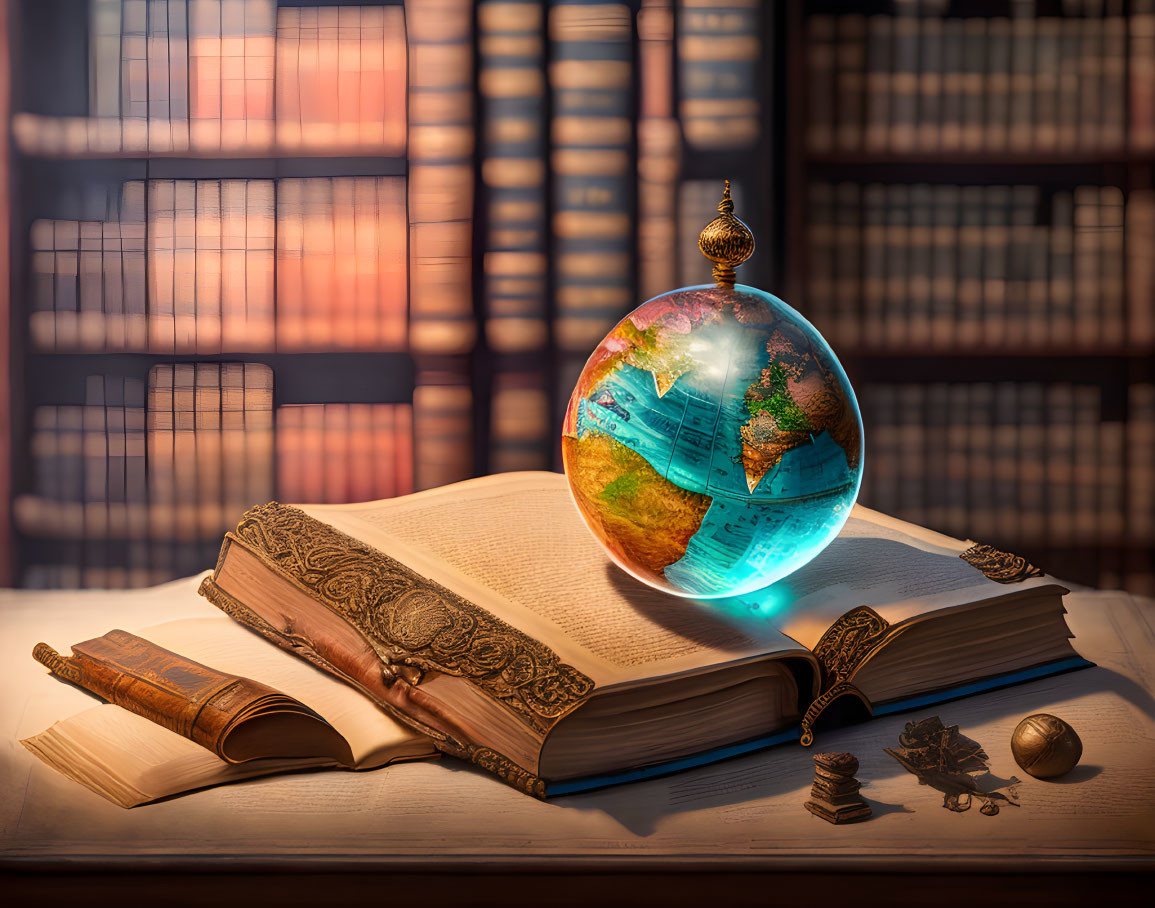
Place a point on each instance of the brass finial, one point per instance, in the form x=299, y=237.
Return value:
x=726, y=241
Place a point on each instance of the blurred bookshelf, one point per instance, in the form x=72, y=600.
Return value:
x=333, y=252
x=971, y=223
x=337, y=251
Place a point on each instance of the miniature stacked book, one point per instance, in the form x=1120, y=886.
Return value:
x=834, y=796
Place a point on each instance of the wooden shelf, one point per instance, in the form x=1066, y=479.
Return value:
x=982, y=158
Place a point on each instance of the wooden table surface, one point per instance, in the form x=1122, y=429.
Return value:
x=431, y=828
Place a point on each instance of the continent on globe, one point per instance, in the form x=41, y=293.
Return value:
x=793, y=399
x=712, y=442
x=645, y=518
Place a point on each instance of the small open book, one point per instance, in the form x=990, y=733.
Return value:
x=484, y=615
x=193, y=725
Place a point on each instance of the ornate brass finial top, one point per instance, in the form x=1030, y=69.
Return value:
x=726, y=241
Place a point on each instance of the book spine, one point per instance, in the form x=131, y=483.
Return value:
x=953, y=85
x=1032, y=458
x=1020, y=308
x=260, y=232
x=970, y=267
x=1112, y=265
x=1022, y=113
x=1005, y=457
x=996, y=202
x=904, y=85
x=821, y=263
x=519, y=422
x=184, y=266
x=930, y=87
x=919, y=264
x=873, y=264
x=258, y=437
x=847, y=270
x=878, y=56
x=820, y=57
x=1141, y=70
x=911, y=453
x=1113, y=87
x=719, y=53
x=443, y=428
x=591, y=78
x=944, y=265
x=1004, y=88
x=207, y=278
x=1048, y=67
x=1140, y=472
x=1090, y=87
x=1140, y=239
x=850, y=66
x=1088, y=301
x=1086, y=464
x=178, y=75
x=90, y=287
x=1062, y=271
x=133, y=231
x=440, y=176
x=981, y=519
x=1060, y=462
x=104, y=58
x=973, y=83
x=205, y=39
x=659, y=149
x=513, y=146
x=896, y=317
x=1068, y=84
x=161, y=277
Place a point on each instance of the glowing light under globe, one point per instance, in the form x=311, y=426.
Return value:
x=713, y=443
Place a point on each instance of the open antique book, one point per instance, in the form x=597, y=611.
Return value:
x=131, y=759
x=484, y=615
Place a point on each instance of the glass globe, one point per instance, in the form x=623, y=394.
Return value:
x=713, y=444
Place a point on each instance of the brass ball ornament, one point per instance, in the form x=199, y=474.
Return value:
x=1045, y=746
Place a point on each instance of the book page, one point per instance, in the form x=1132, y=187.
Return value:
x=897, y=569
x=515, y=545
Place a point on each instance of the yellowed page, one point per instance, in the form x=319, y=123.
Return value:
x=515, y=544
x=470, y=537
x=896, y=568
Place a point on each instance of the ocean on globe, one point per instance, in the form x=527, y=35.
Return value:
x=713, y=444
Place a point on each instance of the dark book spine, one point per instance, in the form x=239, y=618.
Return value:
x=944, y=265
x=847, y=314
x=999, y=81
x=904, y=85
x=820, y=59
x=879, y=30
x=851, y=82
x=920, y=265
x=953, y=84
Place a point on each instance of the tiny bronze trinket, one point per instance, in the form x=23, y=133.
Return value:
x=1045, y=746
x=948, y=761
x=834, y=796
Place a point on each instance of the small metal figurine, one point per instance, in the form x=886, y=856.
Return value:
x=948, y=761
x=834, y=796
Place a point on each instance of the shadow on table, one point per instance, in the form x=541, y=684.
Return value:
x=789, y=768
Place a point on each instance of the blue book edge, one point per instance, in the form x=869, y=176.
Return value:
x=589, y=783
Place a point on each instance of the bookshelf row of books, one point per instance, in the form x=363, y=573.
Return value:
x=1025, y=464
x=1082, y=81
x=181, y=457
x=1012, y=267
x=208, y=266
x=211, y=77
